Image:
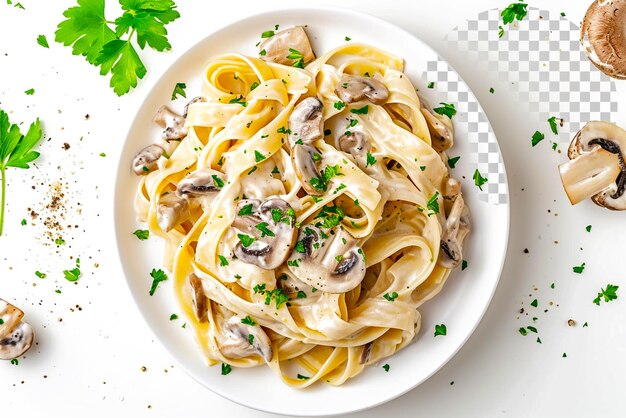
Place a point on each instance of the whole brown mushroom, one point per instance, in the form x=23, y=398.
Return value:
x=602, y=36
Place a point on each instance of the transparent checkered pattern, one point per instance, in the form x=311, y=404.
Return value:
x=484, y=149
x=542, y=60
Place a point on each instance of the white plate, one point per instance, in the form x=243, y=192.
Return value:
x=465, y=296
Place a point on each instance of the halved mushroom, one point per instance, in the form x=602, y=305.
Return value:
x=602, y=36
x=331, y=262
x=239, y=340
x=440, y=127
x=356, y=144
x=146, y=160
x=278, y=47
x=353, y=88
x=305, y=122
x=172, y=123
x=596, y=168
x=171, y=211
x=16, y=336
x=198, y=297
x=269, y=229
x=200, y=183
x=456, y=228
x=305, y=167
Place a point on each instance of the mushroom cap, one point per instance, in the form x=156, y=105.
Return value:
x=199, y=183
x=356, y=144
x=16, y=336
x=198, y=297
x=277, y=46
x=455, y=230
x=603, y=36
x=171, y=211
x=305, y=167
x=239, y=340
x=146, y=160
x=440, y=127
x=172, y=123
x=268, y=251
x=354, y=88
x=306, y=122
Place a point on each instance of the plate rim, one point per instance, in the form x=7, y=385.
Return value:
x=118, y=178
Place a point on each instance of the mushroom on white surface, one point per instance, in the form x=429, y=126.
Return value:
x=440, y=127
x=200, y=183
x=353, y=88
x=198, y=297
x=171, y=211
x=306, y=122
x=172, y=123
x=146, y=160
x=602, y=36
x=238, y=339
x=269, y=227
x=356, y=144
x=277, y=47
x=596, y=168
x=16, y=336
x=331, y=262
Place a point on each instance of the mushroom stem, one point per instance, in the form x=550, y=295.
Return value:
x=589, y=174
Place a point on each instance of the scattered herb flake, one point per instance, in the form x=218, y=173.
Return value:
x=452, y=161
x=433, y=203
x=491, y=90
x=360, y=111
x=173, y=317
x=386, y=367
x=142, y=234
x=303, y=377
x=258, y=156
x=246, y=240
x=579, y=269
x=447, y=109
x=463, y=265
x=431, y=85
x=43, y=41
x=609, y=294
x=588, y=228
x=223, y=260
x=371, y=160
x=267, y=34
x=40, y=275
x=30, y=92
x=537, y=138
x=513, y=11
x=390, y=296
x=440, y=330
x=179, y=90
x=157, y=277
x=479, y=180
x=534, y=303
x=553, y=125
x=226, y=369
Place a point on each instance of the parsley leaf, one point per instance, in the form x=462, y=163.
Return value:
x=433, y=203
x=238, y=100
x=142, y=234
x=217, y=180
x=447, y=109
x=90, y=34
x=463, y=265
x=609, y=294
x=500, y=31
x=579, y=269
x=386, y=367
x=452, y=161
x=258, y=156
x=246, y=240
x=262, y=226
x=72, y=275
x=361, y=111
x=371, y=160
x=179, y=90
x=15, y=151
x=226, y=369
x=157, y=277
x=431, y=85
x=223, y=260
x=43, y=41
x=267, y=34
x=246, y=210
x=588, y=228
x=553, y=125
x=390, y=296
x=297, y=57
x=303, y=377
x=30, y=92
x=479, y=180
x=440, y=330
x=537, y=138
x=248, y=320
x=339, y=105
x=513, y=11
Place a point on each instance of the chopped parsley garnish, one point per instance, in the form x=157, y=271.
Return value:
x=59, y=241
x=15, y=361
x=347, y=39
x=321, y=183
x=265, y=232
x=452, y=161
x=609, y=294
x=523, y=331
x=90, y=34
x=246, y=210
x=258, y=156
x=433, y=203
x=479, y=180
x=553, y=125
x=538, y=340
x=142, y=234
x=513, y=11
x=339, y=105
x=390, y=296
x=226, y=369
x=238, y=100
x=259, y=288
x=500, y=31
x=447, y=109
x=262, y=52
x=179, y=90
x=276, y=294
x=361, y=111
x=157, y=277
x=329, y=217
x=267, y=34
x=223, y=260
x=317, y=157
x=275, y=170
x=30, y=92
x=23, y=222
x=588, y=228
x=254, y=85
x=537, y=138
x=277, y=215
x=300, y=247
x=532, y=329
x=491, y=90
x=422, y=167
x=252, y=170
x=563, y=14
x=579, y=269
x=440, y=330
x=302, y=377
x=293, y=263
x=73, y=274
x=339, y=257
x=43, y=41
x=282, y=130
x=301, y=295
x=297, y=57
x=431, y=85
x=371, y=160
x=250, y=339
x=386, y=367
x=340, y=187
x=246, y=240
x=218, y=181
x=352, y=123
x=534, y=303
x=173, y=317
x=40, y=275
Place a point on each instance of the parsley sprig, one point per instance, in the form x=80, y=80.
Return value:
x=609, y=294
x=16, y=150
x=101, y=40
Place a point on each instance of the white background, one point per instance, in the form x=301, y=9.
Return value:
x=89, y=360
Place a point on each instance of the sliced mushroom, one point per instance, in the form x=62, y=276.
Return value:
x=146, y=160
x=200, y=183
x=243, y=340
x=331, y=262
x=272, y=226
x=198, y=298
x=440, y=127
x=277, y=47
x=353, y=88
x=356, y=144
x=602, y=36
x=172, y=123
x=192, y=101
x=305, y=167
x=366, y=353
x=16, y=336
x=596, y=168
x=455, y=230
x=305, y=122
x=171, y=211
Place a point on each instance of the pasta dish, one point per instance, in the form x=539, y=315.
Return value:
x=306, y=208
